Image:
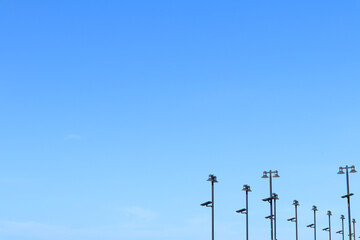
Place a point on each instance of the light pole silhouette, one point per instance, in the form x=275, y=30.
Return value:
x=328, y=228
x=348, y=195
x=270, y=199
x=295, y=219
x=212, y=179
x=275, y=197
x=314, y=208
x=247, y=189
x=353, y=221
x=342, y=217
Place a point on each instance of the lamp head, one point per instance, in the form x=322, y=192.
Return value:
x=212, y=178
x=206, y=204
x=246, y=188
x=275, y=196
x=265, y=175
x=276, y=173
x=353, y=220
x=341, y=170
x=314, y=208
x=329, y=213
x=296, y=203
x=241, y=210
x=342, y=217
x=353, y=169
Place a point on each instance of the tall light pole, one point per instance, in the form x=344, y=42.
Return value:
x=348, y=195
x=212, y=179
x=270, y=199
x=295, y=219
x=314, y=208
x=247, y=189
x=328, y=228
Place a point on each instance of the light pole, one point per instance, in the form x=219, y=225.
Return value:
x=328, y=228
x=295, y=219
x=314, y=208
x=212, y=179
x=247, y=189
x=270, y=199
x=353, y=221
x=275, y=197
x=342, y=217
x=348, y=195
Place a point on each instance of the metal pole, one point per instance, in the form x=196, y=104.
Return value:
x=343, y=230
x=354, y=228
x=348, y=198
x=329, y=227
x=247, y=216
x=314, y=224
x=271, y=207
x=212, y=208
x=296, y=222
x=275, y=196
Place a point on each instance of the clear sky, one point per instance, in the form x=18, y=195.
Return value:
x=113, y=113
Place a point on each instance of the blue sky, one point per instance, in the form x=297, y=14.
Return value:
x=113, y=114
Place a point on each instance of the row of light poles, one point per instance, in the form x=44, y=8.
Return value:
x=272, y=202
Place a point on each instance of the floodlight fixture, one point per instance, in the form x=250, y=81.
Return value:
x=275, y=196
x=206, y=204
x=310, y=225
x=341, y=170
x=212, y=178
x=243, y=211
x=326, y=229
x=292, y=219
x=347, y=195
x=339, y=232
x=246, y=188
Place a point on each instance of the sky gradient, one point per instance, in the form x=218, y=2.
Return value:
x=113, y=114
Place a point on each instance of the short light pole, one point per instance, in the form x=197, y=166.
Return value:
x=295, y=219
x=328, y=229
x=247, y=189
x=353, y=221
x=348, y=195
x=212, y=179
x=314, y=208
x=270, y=199
x=342, y=217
